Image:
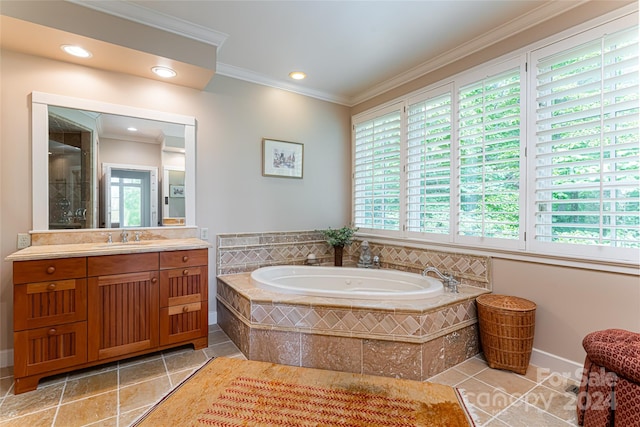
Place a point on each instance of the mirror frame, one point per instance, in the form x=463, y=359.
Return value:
x=40, y=102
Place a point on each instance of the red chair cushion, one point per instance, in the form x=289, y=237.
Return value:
x=617, y=350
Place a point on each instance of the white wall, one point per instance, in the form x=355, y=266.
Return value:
x=232, y=118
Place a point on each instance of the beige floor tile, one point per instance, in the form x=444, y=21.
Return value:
x=143, y=394
x=33, y=401
x=562, y=405
x=536, y=374
x=449, y=377
x=89, y=410
x=497, y=423
x=177, y=377
x=37, y=419
x=140, y=359
x=93, y=370
x=524, y=415
x=485, y=397
x=472, y=366
x=7, y=371
x=559, y=383
x=479, y=416
x=107, y=422
x=130, y=417
x=89, y=385
x=182, y=361
x=225, y=349
x=217, y=337
x=5, y=386
x=142, y=371
x=513, y=384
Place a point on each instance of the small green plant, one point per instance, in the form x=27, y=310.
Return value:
x=339, y=236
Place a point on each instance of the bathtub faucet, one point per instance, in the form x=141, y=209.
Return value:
x=447, y=278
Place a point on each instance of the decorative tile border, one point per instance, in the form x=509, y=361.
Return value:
x=243, y=252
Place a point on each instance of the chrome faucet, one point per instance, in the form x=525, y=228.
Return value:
x=137, y=236
x=125, y=237
x=109, y=238
x=447, y=278
x=376, y=262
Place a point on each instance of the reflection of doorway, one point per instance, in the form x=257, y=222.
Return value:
x=130, y=196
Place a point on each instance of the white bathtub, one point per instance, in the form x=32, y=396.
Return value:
x=342, y=282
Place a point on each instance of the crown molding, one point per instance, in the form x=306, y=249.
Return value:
x=253, y=77
x=542, y=13
x=152, y=18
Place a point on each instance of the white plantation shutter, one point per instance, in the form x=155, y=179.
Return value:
x=586, y=144
x=489, y=148
x=428, y=176
x=376, y=176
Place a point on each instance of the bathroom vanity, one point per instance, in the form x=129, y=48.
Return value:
x=97, y=303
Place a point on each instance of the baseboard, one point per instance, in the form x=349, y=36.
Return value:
x=213, y=317
x=565, y=367
x=6, y=358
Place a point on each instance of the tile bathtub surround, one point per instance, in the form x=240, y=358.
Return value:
x=244, y=252
x=407, y=339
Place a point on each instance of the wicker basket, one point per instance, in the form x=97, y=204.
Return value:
x=506, y=331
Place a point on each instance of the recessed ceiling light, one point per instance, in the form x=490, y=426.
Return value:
x=76, y=51
x=164, y=72
x=297, y=75
x=132, y=129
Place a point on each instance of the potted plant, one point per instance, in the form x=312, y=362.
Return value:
x=339, y=238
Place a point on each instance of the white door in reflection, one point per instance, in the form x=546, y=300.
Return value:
x=130, y=195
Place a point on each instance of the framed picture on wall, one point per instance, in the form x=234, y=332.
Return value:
x=282, y=159
x=176, y=191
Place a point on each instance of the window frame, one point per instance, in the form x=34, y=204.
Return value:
x=623, y=18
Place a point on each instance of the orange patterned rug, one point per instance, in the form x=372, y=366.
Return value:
x=232, y=392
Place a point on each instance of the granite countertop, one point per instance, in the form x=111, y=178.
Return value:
x=70, y=250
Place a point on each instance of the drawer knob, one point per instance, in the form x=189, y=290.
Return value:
x=185, y=272
x=52, y=331
x=51, y=270
x=185, y=309
x=185, y=258
x=51, y=287
x=154, y=280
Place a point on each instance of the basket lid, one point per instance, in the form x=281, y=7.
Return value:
x=506, y=302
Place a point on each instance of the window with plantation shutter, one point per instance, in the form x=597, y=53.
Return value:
x=489, y=158
x=587, y=185
x=376, y=173
x=428, y=176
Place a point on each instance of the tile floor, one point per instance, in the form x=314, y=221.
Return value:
x=118, y=393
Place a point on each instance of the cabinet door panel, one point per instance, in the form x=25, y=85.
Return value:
x=46, y=349
x=49, y=303
x=183, y=322
x=123, y=314
x=183, y=286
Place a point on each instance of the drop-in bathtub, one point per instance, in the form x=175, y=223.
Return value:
x=342, y=282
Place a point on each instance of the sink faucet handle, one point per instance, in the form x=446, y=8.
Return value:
x=109, y=238
x=125, y=236
x=137, y=236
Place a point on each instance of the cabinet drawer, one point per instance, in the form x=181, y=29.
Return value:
x=119, y=264
x=49, y=269
x=49, y=303
x=183, y=285
x=183, y=322
x=177, y=259
x=47, y=349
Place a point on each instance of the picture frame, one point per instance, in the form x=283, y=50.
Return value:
x=282, y=159
x=176, y=191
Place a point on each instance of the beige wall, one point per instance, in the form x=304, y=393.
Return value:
x=233, y=117
x=570, y=302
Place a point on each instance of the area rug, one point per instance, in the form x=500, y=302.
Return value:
x=233, y=392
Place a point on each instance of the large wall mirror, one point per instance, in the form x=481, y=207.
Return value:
x=98, y=165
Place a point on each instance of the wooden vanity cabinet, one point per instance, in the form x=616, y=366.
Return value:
x=73, y=313
x=184, y=299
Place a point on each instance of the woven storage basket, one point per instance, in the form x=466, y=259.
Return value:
x=506, y=331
